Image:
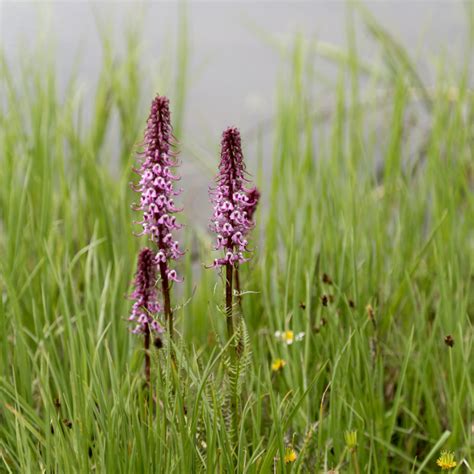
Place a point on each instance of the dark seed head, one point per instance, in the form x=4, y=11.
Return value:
x=325, y=300
x=449, y=341
x=326, y=279
x=302, y=305
x=158, y=343
x=67, y=423
x=352, y=304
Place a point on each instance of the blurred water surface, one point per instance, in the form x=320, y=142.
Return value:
x=233, y=70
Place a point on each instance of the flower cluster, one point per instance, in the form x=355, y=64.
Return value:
x=145, y=295
x=156, y=186
x=446, y=461
x=234, y=205
x=288, y=337
x=350, y=437
x=290, y=455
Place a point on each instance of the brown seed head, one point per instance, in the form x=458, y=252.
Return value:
x=326, y=279
x=449, y=341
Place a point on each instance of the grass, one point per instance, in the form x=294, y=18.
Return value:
x=376, y=192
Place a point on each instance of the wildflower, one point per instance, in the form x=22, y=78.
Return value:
x=350, y=437
x=278, y=364
x=288, y=337
x=446, y=461
x=156, y=183
x=157, y=192
x=290, y=455
x=234, y=205
x=146, y=304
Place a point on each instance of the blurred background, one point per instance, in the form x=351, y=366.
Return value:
x=219, y=62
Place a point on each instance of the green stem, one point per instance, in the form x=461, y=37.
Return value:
x=166, y=298
x=228, y=301
x=237, y=288
x=146, y=344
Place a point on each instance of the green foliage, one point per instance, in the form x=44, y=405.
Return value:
x=375, y=192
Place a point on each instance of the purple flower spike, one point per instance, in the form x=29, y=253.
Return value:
x=156, y=186
x=234, y=205
x=145, y=295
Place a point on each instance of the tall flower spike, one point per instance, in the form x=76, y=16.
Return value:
x=146, y=303
x=231, y=218
x=157, y=190
x=145, y=295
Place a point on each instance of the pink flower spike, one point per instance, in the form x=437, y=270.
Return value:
x=156, y=182
x=145, y=295
x=234, y=205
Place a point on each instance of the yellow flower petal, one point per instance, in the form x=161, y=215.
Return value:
x=278, y=364
x=290, y=455
x=446, y=461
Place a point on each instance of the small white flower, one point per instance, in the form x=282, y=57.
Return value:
x=288, y=337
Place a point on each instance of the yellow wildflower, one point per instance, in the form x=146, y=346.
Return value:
x=289, y=336
x=278, y=364
x=446, y=461
x=350, y=437
x=290, y=455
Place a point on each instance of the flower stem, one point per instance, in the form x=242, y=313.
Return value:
x=228, y=300
x=237, y=288
x=166, y=298
x=355, y=462
x=147, y=355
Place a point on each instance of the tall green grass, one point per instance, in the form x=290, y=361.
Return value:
x=376, y=192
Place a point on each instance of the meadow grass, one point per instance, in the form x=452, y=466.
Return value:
x=364, y=242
